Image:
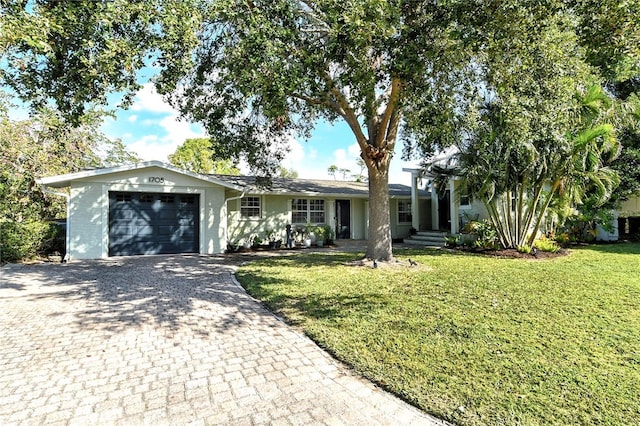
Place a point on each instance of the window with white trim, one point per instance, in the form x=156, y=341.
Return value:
x=404, y=211
x=250, y=207
x=465, y=201
x=307, y=210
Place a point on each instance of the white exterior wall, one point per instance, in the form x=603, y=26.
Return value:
x=86, y=221
x=359, y=215
x=276, y=214
x=89, y=208
x=631, y=207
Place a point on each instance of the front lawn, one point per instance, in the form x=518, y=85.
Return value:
x=474, y=339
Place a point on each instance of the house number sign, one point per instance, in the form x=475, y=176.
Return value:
x=156, y=179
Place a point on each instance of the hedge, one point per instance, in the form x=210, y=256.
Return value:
x=23, y=241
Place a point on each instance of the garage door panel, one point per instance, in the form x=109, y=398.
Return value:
x=145, y=223
x=144, y=231
x=122, y=230
x=122, y=213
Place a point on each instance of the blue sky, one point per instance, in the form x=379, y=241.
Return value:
x=150, y=127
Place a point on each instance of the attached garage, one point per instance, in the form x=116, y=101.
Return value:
x=153, y=223
x=143, y=209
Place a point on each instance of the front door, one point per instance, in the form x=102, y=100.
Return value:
x=343, y=219
x=444, y=211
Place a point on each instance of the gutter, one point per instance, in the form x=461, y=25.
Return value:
x=67, y=241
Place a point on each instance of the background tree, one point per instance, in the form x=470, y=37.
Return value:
x=40, y=146
x=332, y=170
x=360, y=176
x=197, y=155
x=628, y=162
x=287, y=173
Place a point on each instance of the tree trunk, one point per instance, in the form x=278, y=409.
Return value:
x=379, y=245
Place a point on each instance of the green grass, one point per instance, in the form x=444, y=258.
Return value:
x=473, y=339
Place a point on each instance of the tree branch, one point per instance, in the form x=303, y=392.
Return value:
x=383, y=127
x=346, y=111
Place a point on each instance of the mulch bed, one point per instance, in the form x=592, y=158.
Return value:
x=513, y=253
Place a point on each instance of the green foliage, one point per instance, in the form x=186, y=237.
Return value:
x=580, y=228
x=287, y=173
x=546, y=244
x=255, y=73
x=42, y=146
x=524, y=249
x=21, y=241
x=452, y=241
x=485, y=234
x=563, y=239
x=319, y=232
x=627, y=164
x=77, y=52
x=198, y=155
x=329, y=234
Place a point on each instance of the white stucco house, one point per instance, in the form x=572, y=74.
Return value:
x=156, y=208
x=153, y=208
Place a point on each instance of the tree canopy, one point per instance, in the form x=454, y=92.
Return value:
x=42, y=146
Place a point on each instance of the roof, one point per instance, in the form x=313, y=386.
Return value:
x=246, y=184
x=311, y=187
x=61, y=181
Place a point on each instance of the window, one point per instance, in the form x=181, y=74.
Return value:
x=465, y=201
x=123, y=198
x=304, y=210
x=167, y=199
x=188, y=199
x=404, y=212
x=250, y=207
x=146, y=198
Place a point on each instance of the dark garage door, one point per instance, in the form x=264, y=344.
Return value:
x=145, y=223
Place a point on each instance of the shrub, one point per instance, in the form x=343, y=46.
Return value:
x=563, y=239
x=22, y=241
x=329, y=235
x=546, y=244
x=487, y=237
x=452, y=240
x=524, y=249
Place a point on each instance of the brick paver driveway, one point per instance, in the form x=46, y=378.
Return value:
x=165, y=340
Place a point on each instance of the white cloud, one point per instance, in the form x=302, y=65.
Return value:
x=158, y=130
x=354, y=150
x=295, y=155
x=174, y=133
x=148, y=100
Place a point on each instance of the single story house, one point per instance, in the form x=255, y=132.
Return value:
x=154, y=208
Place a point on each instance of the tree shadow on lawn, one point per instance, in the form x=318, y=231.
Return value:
x=120, y=293
x=313, y=305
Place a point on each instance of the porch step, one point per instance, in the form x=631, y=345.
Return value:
x=427, y=239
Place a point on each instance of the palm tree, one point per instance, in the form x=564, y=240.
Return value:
x=517, y=180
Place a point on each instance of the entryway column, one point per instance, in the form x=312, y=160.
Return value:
x=415, y=200
x=453, y=206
